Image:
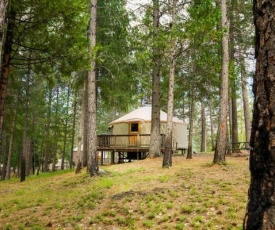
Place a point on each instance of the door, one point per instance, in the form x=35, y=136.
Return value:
x=134, y=128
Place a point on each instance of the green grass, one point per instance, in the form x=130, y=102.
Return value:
x=193, y=194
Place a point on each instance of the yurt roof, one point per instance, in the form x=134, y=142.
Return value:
x=143, y=114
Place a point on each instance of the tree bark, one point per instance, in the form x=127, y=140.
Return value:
x=26, y=139
x=3, y=10
x=79, y=138
x=219, y=156
x=8, y=171
x=85, y=127
x=234, y=112
x=92, y=142
x=203, y=128
x=211, y=123
x=167, y=158
x=191, y=122
x=155, y=139
x=55, y=130
x=73, y=129
x=65, y=129
x=5, y=66
x=261, y=202
x=47, y=143
x=234, y=131
x=246, y=110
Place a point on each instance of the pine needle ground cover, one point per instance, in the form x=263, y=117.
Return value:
x=193, y=194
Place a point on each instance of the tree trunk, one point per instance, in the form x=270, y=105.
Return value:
x=85, y=127
x=4, y=158
x=155, y=139
x=92, y=142
x=73, y=129
x=47, y=143
x=167, y=158
x=203, y=128
x=65, y=129
x=55, y=130
x=26, y=139
x=219, y=156
x=261, y=202
x=234, y=131
x=246, y=110
x=5, y=67
x=22, y=169
x=190, y=137
x=3, y=10
x=8, y=171
x=82, y=134
x=79, y=139
x=234, y=112
x=211, y=123
x=229, y=113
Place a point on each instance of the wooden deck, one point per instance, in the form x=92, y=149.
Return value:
x=125, y=143
x=124, y=148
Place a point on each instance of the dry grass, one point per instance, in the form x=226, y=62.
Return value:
x=193, y=194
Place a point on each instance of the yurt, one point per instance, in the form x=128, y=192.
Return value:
x=138, y=122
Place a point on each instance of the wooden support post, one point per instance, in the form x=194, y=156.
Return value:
x=102, y=160
x=112, y=157
x=137, y=155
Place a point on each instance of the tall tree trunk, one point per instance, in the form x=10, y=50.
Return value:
x=155, y=139
x=92, y=142
x=261, y=202
x=65, y=129
x=3, y=10
x=55, y=145
x=203, y=127
x=246, y=110
x=211, y=123
x=191, y=122
x=234, y=111
x=8, y=171
x=229, y=111
x=221, y=145
x=80, y=137
x=85, y=126
x=26, y=139
x=47, y=143
x=234, y=131
x=167, y=159
x=5, y=67
x=73, y=129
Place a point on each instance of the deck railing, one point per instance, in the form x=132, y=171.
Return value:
x=142, y=140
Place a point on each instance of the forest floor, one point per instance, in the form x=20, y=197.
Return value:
x=193, y=194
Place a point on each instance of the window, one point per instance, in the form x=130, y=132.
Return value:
x=134, y=127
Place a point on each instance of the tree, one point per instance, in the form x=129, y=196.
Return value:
x=245, y=102
x=3, y=9
x=92, y=153
x=221, y=145
x=5, y=65
x=261, y=204
x=154, y=149
x=167, y=159
x=191, y=125
x=203, y=127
